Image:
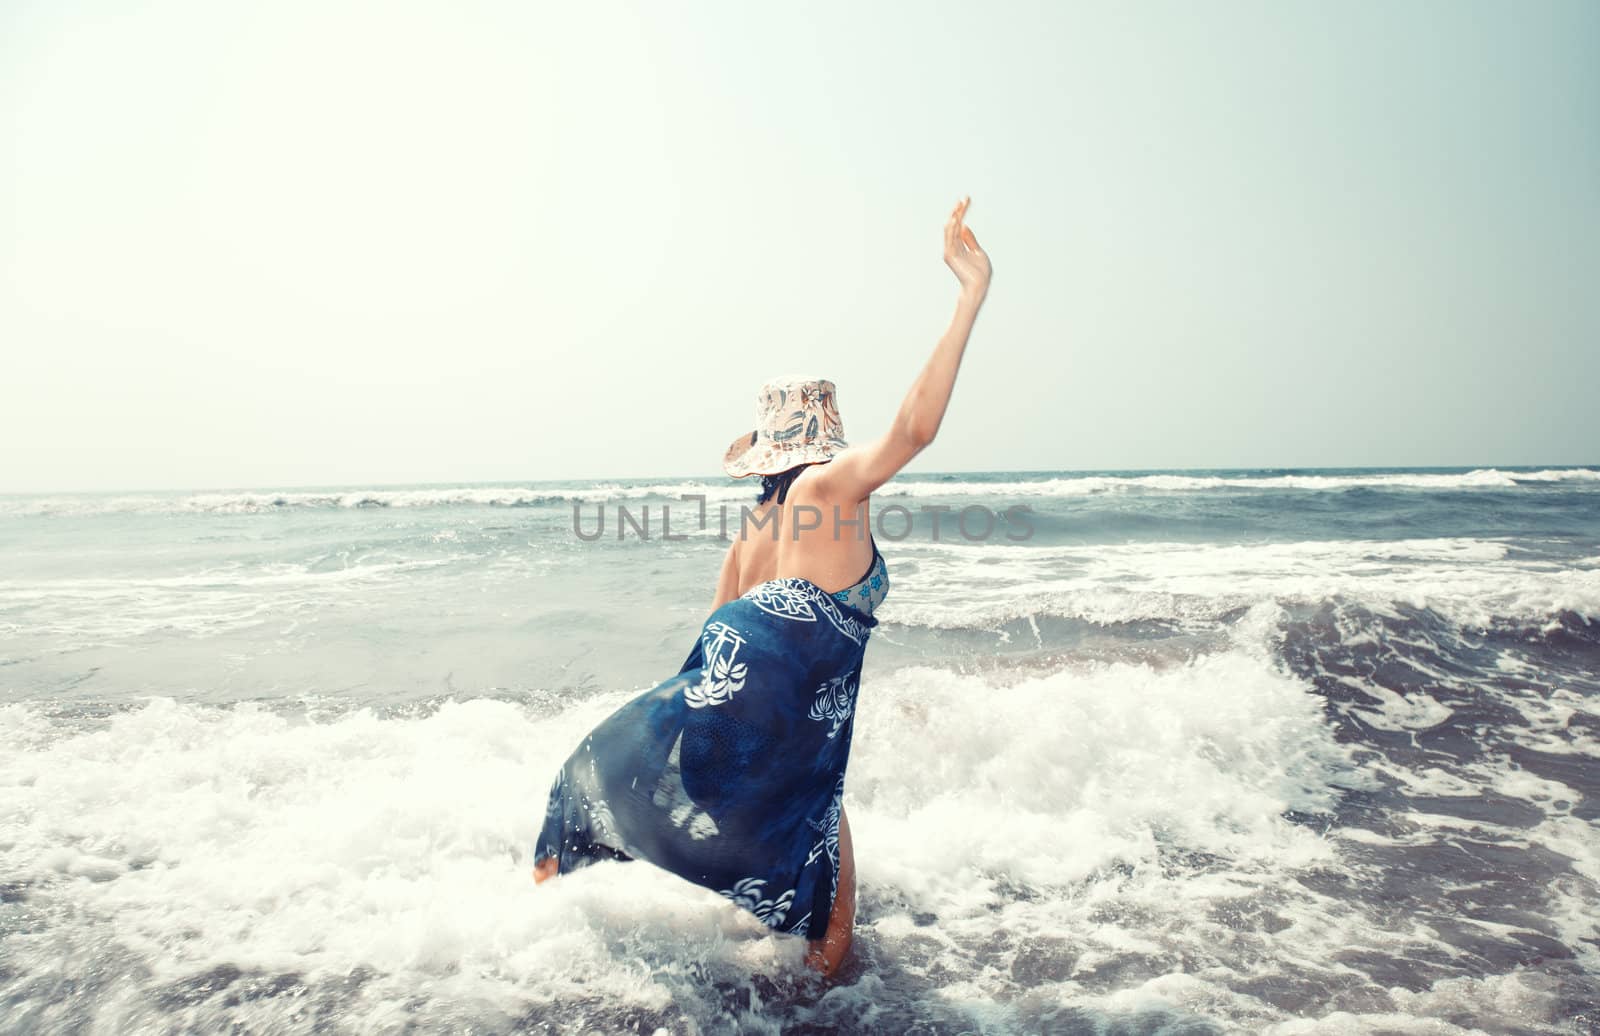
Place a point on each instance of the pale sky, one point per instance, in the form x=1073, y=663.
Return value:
x=288, y=244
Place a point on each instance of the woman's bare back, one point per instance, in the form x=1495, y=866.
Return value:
x=832, y=549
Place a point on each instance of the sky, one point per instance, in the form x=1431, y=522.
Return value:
x=315, y=244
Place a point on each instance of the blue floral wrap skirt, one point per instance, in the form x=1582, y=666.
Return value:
x=731, y=773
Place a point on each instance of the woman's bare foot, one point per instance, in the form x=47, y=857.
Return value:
x=545, y=869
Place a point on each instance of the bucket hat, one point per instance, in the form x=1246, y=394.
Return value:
x=797, y=422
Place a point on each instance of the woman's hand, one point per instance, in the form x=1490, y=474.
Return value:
x=963, y=255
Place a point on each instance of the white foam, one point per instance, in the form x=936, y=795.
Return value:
x=1471, y=581
x=1089, y=485
x=1063, y=775
x=720, y=491
x=76, y=612
x=254, y=501
x=1573, y=897
x=1135, y=808
x=189, y=837
x=1511, y=1001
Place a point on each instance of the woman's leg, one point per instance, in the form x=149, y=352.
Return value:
x=825, y=954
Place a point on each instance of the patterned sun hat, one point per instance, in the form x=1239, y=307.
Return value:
x=797, y=422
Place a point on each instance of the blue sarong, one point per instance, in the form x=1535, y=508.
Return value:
x=731, y=773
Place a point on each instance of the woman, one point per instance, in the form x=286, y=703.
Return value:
x=731, y=774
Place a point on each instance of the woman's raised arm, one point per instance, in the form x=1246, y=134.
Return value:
x=857, y=471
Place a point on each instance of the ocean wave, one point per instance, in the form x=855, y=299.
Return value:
x=80, y=612
x=259, y=501
x=256, y=502
x=251, y=844
x=1103, y=825
x=1088, y=485
x=1473, y=582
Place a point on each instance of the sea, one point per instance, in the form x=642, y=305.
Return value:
x=1179, y=752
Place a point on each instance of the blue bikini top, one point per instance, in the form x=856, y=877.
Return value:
x=871, y=589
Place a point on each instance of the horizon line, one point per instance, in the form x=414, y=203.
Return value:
x=1462, y=468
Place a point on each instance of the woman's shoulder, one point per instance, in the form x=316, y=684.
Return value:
x=813, y=488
